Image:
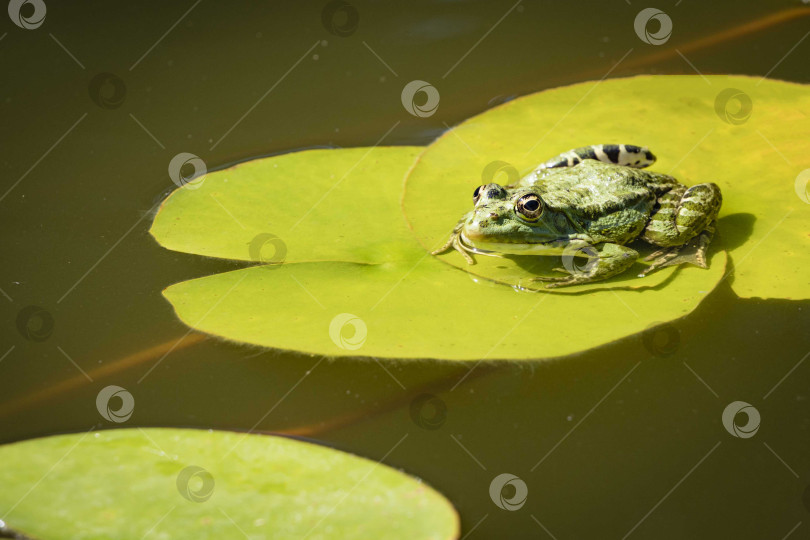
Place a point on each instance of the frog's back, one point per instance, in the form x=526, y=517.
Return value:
x=593, y=188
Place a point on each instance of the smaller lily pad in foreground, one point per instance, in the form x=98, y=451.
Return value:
x=180, y=483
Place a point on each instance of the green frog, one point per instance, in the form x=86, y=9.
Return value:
x=588, y=203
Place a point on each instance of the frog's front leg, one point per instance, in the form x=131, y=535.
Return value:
x=455, y=241
x=604, y=261
x=619, y=154
x=685, y=217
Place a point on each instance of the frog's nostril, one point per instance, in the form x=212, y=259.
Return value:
x=493, y=215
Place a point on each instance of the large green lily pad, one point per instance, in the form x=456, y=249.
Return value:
x=746, y=134
x=414, y=307
x=171, y=483
x=356, y=280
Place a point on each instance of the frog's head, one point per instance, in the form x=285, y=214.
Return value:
x=511, y=220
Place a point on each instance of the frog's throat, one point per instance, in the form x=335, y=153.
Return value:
x=499, y=249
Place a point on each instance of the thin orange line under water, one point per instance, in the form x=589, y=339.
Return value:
x=729, y=34
x=435, y=386
x=100, y=372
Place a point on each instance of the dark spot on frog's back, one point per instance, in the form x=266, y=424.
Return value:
x=492, y=193
x=649, y=155
x=612, y=152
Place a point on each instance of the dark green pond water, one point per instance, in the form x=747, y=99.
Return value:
x=623, y=440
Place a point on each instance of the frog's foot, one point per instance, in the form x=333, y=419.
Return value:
x=563, y=281
x=701, y=244
x=604, y=261
x=661, y=259
x=558, y=281
x=455, y=242
x=693, y=252
x=618, y=154
x=654, y=255
x=461, y=248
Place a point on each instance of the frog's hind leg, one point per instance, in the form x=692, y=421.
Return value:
x=693, y=252
x=683, y=225
x=619, y=154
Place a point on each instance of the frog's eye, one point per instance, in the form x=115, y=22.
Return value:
x=529, y=206
x=476, y=193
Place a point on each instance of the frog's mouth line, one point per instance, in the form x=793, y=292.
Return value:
x=499, y=249
x=469, y=246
